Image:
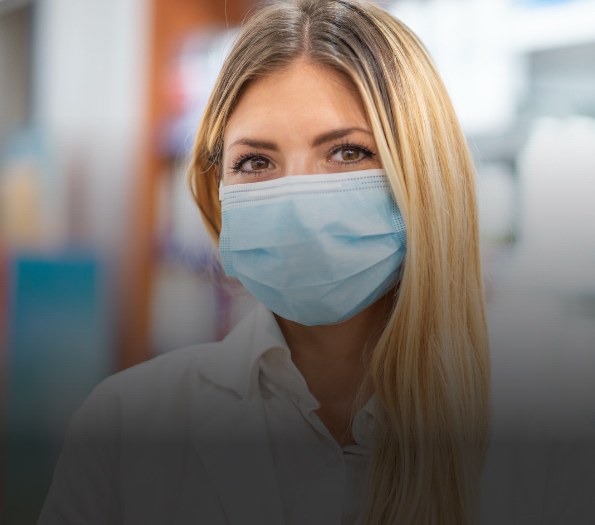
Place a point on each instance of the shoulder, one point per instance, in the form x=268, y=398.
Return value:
x=540, y=465
x=131, y=437
x=164, y=373
x=171, y=388
x=157, y=394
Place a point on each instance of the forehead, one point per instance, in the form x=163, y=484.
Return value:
x=304, y=95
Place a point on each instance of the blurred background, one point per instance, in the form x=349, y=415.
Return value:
x=104, y=262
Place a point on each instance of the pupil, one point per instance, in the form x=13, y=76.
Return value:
x=258, y=164
x=349, y=154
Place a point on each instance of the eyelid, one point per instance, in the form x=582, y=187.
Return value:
x=239, y=160
x=368, y=151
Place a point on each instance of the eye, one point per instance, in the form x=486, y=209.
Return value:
x=350, y=153
x=251, y=164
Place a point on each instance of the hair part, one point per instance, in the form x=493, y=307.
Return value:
x=430, y=369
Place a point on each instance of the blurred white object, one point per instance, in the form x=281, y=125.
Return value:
x=535, y=28
x=89, y=92
x=184, y=309
x=496, y=199
x=557, y=170
x=469, y=42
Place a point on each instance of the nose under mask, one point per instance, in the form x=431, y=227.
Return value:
x=314, y=249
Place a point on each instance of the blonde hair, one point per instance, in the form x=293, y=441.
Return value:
x=430, y=368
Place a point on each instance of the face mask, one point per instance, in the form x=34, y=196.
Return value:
x=314, y=249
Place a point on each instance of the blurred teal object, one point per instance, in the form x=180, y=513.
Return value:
x=59, y=348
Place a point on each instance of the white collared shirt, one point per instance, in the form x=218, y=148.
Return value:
x=226, y=434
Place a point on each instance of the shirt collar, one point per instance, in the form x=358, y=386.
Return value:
x=257, y=342
x=234, y=363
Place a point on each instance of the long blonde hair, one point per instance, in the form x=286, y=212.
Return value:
x=430, y=369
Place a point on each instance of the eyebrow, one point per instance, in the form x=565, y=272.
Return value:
x=320, y=139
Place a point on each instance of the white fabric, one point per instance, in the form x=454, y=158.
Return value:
x=196, y=436
x=319, y=481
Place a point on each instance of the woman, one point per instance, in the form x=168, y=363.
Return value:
x=330, y=167
x=429, y=368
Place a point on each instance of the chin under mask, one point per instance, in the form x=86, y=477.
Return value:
x=314, y=249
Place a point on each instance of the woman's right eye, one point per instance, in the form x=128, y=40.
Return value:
x=251, y=164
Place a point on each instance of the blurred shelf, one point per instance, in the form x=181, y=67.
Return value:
x=543, y=27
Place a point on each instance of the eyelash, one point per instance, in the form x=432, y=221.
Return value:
x=367, y=154
x=237, y=164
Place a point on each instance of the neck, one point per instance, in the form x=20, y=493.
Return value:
x=333, y=358
x=334, y=362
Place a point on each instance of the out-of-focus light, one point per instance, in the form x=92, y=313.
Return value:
x=539, y=27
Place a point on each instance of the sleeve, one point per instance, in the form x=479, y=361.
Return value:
x=84, y=486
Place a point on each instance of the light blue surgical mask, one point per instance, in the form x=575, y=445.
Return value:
x=314, y=249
